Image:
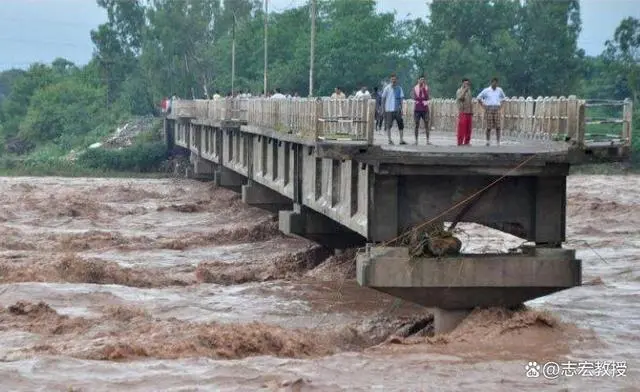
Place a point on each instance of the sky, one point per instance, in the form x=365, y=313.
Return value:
x=41, y=30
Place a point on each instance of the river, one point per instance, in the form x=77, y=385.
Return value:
x=175, y=285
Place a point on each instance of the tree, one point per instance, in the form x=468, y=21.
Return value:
x=531, y=46
x=623, y=53
x=549, y=35
x=7, y=79
x=15, y=106
x=64, y=108
x=118, y=42
x=356, y=45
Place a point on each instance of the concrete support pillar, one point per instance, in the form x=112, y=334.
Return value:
x=445, y=321
x=549, y=220
x=168, y=135
x=202, y=168
x=307, y=223
x=229, y=179
x=298, y=170
x=383, y=207
x=262, y=197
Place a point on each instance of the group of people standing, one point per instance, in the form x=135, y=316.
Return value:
x=389, y=109
x=167, y=103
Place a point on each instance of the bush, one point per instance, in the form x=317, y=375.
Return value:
x=68, y=109
x=143, y=157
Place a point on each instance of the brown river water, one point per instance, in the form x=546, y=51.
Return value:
x=174, y=285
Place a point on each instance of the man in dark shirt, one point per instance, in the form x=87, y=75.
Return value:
x=420, y=95
x=379, y=112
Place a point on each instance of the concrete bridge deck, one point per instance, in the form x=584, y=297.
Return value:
x=344, y=193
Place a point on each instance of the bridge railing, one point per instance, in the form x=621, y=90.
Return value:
x=309, y=118
x=608, y=121
x=542, y=118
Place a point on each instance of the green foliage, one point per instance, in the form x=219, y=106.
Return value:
x=15, y=106
x=624, y=53
x=67, y=108
x=151, y=49
x=531, y=45
x=7, y=79
x=142, y=157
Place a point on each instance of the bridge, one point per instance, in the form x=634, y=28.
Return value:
x=332, y=178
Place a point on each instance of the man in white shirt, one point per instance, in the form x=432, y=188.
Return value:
x=491, y=99
x=338, y=94
x=278, y=94
x=363, y=93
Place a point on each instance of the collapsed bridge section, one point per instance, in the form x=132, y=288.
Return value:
x=346, y=191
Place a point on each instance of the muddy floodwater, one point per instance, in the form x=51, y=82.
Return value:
x=175, y=285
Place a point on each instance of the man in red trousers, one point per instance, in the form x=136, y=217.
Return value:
x=465, y=112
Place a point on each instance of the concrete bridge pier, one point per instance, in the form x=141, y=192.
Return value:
x=445, y=321
x=260, y=196
x=202, y=168
x=455, y=285
x=229, y=179
x=304, y=222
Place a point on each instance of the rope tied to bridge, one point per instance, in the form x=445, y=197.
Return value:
x=426, y=223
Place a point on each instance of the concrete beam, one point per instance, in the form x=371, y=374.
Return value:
x=262, y=197
x=383, y=207
x=169, y=133
x=549, y=212
x=468, y=281
x=202, y=168
x=229, y=179
x=304, y=222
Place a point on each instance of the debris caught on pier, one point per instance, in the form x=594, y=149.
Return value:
x=434, y=241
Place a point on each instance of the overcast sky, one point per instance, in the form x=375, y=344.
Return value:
x=41, y=30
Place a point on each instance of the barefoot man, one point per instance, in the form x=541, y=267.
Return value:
x=392, y=97
x=465, y=112
x=491, y=99
x=420, y=95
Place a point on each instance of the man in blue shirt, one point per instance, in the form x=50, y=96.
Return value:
x=392, y=97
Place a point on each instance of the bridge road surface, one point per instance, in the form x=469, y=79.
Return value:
x=446, y=142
